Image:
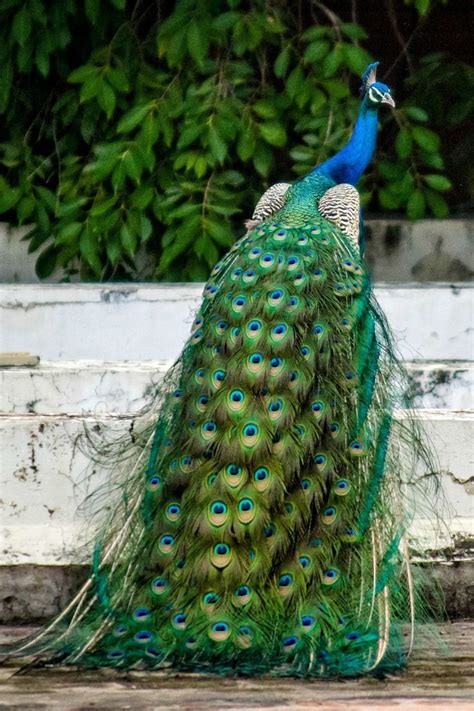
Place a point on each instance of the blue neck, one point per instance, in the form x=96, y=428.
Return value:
x=349, y=164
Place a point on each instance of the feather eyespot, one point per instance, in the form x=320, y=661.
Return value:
x=277, y=366
x=308, y=622
x=217, y=378
x=153, y=483
x=202, y=402
x=253, y=327
x=219, y=631
x=209, y=601
x=173, y=512
x=242, y=596
x=304, y=561
x=221, y=555
x=246, y=510
x=289, y=643
x=255, y=252
x=244, y=637
x=141, y=614
x=254, y=362
x=221, y=327
x=261, y=479
x=238, y=304
x=209, y=430
x=329, y=515
x=159, y=586
x=236, y=273
x=306, y=484
x=199, y=376
x=250, y=433
x=115, y=654
x=267, y=260
x=285, y=584
x=178, y=621
x=342, y=487
x=357, y=448
x=330, y=576
x=280, y=235
x=197, y=336
x=218, y=513
x=249, y=276
x=275, y=409
x=269, y=531
x=166, y=543
x=143, y=636
x=275, y=297
x=120, y=630
x=279, y=332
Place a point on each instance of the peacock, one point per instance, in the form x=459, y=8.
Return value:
x=261, y=526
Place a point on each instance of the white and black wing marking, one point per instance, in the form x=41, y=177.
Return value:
x=271, y=201
x=341, y=205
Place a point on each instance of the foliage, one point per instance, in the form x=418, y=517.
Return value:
x=153, y=127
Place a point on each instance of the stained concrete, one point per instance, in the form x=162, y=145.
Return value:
x=439, y=678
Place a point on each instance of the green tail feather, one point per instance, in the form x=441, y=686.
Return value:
x=263, y=531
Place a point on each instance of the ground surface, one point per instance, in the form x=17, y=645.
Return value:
x=439, y=679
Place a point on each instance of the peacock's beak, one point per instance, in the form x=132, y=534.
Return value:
x=388, y=99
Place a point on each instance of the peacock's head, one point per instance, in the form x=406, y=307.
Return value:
x=374, y=91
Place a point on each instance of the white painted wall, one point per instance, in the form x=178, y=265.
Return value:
x=44, y=409
x=152, y=321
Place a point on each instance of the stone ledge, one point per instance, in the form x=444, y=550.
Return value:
x=99, y=388
x=152, y=321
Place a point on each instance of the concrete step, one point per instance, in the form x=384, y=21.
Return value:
x=123, y=388
x=138, y=322
x=46, y=477
x=438, y=678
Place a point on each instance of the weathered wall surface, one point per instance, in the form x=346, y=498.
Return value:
x=105, y=348
x=396, y=249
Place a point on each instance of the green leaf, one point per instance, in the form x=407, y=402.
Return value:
x=416, y=205
x=89, y=249
x=46, y=262
x=426, y=138
x=316, y=51
x=90, y=88
x=422, y=6
x=9, y=198
x=69, y=233
x=217, y=145
x=146, y=228
x=128, y=239
x=106, y=99
x=21, y=26
x=403, y=143
x=438, y=182
x=133, y=118
x=356, y=58
x=282, y=62
x=246, y=144
x=132, y=164
x=273, y=133
x=82, y=74
x=262, y=159
x=265, y=108
x=25, y=208
x=437, y=204
x=416, y=113
x=197, y=42
x=354, y=31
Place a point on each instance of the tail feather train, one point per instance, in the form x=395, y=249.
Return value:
x=262, y=527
